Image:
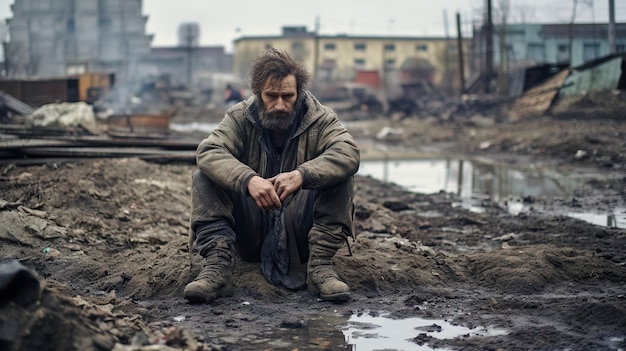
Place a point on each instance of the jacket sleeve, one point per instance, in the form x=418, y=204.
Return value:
x=218, y=156
x=337, y=155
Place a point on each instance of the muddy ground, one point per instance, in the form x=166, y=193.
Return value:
x=108, y=240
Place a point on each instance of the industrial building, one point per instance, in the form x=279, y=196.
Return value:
x=377, y=59
x=54, y=38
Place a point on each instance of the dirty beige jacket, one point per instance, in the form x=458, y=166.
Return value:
x=321, y=149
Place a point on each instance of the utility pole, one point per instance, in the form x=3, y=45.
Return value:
x=612, y=48
x=489, y=57
x=446, y=75
x=459, y=46
x=571, y=31
x=383, y=77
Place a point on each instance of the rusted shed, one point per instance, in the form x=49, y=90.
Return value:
x=40, y=92
x=37, y=92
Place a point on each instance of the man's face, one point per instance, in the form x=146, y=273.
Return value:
x=277, y=110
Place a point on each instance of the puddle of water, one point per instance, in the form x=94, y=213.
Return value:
x=613, y=220
x=357, y=333
x=367, y=332
x=472, y=181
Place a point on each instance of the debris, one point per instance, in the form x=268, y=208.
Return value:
x=66, y=114
x=506, y=237
x=484, y=145
x=388, y=132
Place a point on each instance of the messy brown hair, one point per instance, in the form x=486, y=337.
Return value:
x=275, y=65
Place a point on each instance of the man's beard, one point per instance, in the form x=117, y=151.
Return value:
x=274, y=120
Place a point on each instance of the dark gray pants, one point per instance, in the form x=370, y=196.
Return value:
x=221, y=214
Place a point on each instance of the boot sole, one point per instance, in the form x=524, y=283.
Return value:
x=339, y=297
x=197, y=296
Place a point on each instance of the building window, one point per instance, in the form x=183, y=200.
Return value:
x=620, y=48
x=359, y=47
x=330, y=46
x=390, y=47
x=390, y=63
x=71, y=26
x=298, y=51
x=590, y=51
x=105, y=24
x=536, y=52
x=359, y=63
x=421, y=47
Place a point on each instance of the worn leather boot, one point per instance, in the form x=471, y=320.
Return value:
x=215, y=278
x=322, y=279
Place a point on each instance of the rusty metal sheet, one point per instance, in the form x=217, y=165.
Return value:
x=536, y=101
x=103, y=152
x=139, y=124
x=603, y=76
x=40, y=92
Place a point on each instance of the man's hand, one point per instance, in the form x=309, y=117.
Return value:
x=263, y=193
x=286, y=183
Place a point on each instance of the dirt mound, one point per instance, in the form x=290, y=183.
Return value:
x=593, y=105
x=56, y=321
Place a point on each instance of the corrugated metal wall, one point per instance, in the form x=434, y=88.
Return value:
x=602, y=76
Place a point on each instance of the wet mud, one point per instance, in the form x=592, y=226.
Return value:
x=108, y=240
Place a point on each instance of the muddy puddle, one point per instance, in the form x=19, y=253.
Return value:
x=362, y=332
x=517, y=188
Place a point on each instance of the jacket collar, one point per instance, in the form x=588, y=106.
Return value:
x=314, y=110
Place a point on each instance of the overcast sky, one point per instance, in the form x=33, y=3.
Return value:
x=222, y=21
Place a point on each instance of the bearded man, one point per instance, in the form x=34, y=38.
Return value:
x=275, y=184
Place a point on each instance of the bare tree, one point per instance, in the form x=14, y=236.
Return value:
x=504, y=13
x=522, y=13
x=573, y=19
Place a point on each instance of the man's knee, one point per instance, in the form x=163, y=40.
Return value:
x=335, y=206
